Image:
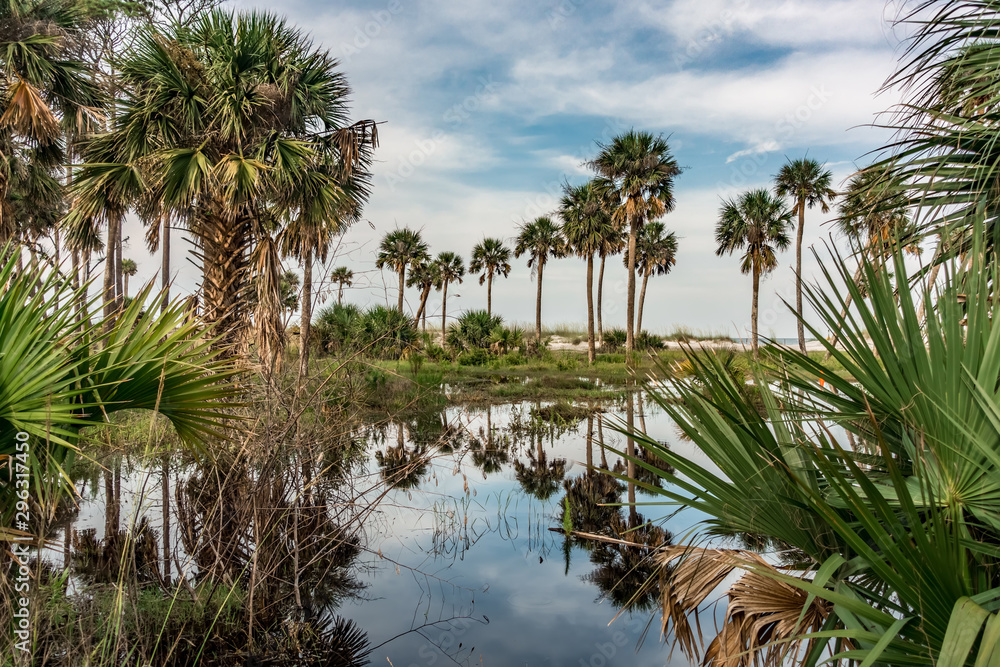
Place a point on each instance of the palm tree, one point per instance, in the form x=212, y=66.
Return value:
x=756, y=223
x=808, y=184
x=342, y=276
x=490, y=257
x=540, y=240
x=399, y=249
x=323, y=205
x=637, y=172
x=129, y=269
x=230, y=149
x=448, y=268
x=586, y=227
x=874, y=216
x=656, y=255
x=613, y=242
x=425, y=276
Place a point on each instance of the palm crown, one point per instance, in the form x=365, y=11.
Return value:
x=239, y=119
x=490, y=257
x=757, y=223
x=539, y=240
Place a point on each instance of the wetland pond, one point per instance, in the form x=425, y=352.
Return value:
x=451, y=559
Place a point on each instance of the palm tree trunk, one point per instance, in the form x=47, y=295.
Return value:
x=798, y=277
x=489, y=293
x=591, y=347
x=125, y=292
x=340, y=293
x=642, y=301
x=305, y=325
x=119, y=276
x=538, y=304
x=165, y=262
x=402, y=284
x=753, y=309
x=600, y=290
x=422, y=311
x=444, y=311
x=600, y=440
x=633, y=234
x=109, y=274
x=165, y=488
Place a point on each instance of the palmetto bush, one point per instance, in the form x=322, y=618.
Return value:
x=473, y=330
x=384, y=332
x=59, y=375
x=881, y=493
x=333, y=326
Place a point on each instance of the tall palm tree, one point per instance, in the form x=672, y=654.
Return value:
x=586, y=226
x=656, y=252
x=808, y=184
x=637, y=171
x=225, y=117
x=425, y=276
x=756, y=223
x=322, y=205
x=342, y=276
x=399, y=249
x=448, y=268
x=129, y=269
x=490, y=257
x=613, y=242
x=539, y=239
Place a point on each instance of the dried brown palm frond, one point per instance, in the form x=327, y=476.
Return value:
x=762, y=617
x=28, y=113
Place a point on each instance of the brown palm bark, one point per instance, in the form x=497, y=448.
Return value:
x=165, y=488
x=305, y=325
x=538, y=303
x=165, y=262
x=753, y=309
x=591, y=346
x=402, y=284
x=600, y=294
x=642, y=301
x=798, y=277
x=489, y=293
x=110, y=268
x=633, y=234
x=444, y=311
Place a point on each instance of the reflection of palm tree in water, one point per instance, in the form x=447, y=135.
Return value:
x=625, y=574
x=541, y=477
x=403, y=468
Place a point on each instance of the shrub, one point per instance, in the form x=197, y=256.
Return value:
x=512, y=359
x=331, y=330
x=505, y=339
x=473, y=330
x=474, y=357
x=384, y=332
x=647, y=341
x=614, y=339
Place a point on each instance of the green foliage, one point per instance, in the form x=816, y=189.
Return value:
x=333, y=326
x=614, y=339
x=58, y=376
x=377, y=332
x=647, y=341
x=474, y=329
x=898, y=522
x=474, y=357
x=384, y=332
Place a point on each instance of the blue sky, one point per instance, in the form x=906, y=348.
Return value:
x=490, y=106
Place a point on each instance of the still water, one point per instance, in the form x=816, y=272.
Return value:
x=458, y=565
